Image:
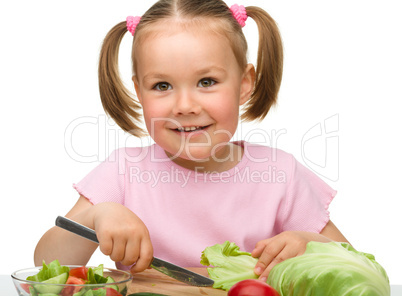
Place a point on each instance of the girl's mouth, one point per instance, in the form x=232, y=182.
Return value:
x=189, y=129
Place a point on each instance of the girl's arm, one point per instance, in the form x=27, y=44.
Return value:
x=121, y=234
x=67, y=247
x=332, y=232
x=290, y=244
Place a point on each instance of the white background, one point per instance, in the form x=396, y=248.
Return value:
x=342, y=76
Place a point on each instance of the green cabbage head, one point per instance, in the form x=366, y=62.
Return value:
x=325, y=269
x=330, y=269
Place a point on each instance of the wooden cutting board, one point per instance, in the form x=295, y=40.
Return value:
x=151, y=280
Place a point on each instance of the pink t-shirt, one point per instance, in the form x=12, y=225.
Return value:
x=185, y=211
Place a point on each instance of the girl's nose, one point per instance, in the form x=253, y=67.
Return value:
x=186, y=104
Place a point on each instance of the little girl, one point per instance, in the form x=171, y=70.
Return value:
x=194, y=187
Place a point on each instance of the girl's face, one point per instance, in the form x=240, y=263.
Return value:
x=190, y=87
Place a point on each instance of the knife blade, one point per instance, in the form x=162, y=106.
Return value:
x=179, y=273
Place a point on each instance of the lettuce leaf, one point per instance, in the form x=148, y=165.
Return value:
x=330, y=269
x=95, y=275
x=49, y=271
x=230, y=265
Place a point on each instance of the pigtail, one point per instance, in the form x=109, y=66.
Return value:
x=117, y=101
x=269, y=66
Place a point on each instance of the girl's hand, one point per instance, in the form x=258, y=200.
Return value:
x=122, y=236
x=285, y=245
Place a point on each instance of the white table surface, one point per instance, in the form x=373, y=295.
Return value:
x=7, y=287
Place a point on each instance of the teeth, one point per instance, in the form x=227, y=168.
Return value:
x=188, y=128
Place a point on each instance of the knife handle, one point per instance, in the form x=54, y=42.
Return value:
x=76, y=228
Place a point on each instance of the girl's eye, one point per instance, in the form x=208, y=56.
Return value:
x=162, y=86
x=206, y=82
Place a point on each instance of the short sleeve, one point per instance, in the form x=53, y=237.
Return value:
x=105, y=183
x=307, y=201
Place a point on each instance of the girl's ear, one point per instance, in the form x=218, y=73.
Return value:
x=247, y=84
x=137, y=88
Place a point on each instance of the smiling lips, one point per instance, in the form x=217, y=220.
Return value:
x=191, y=128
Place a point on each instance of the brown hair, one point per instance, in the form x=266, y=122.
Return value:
x=121, y=105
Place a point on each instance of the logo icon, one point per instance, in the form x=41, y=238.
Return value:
x=320, y=148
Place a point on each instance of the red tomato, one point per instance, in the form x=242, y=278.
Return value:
x=110, y=292
x=252, y=288
x=25, y=287
x=69, y=291
x=79, y=272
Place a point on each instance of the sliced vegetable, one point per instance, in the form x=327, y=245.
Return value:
x=54, y=273
x=95, y=275
x=111, y=292
x=26, y=287
x=105, y=292
x=99, y=270
x=252, y=288
x=330, y=268
x=146, y=294
x=32, y=291
x=71, y=290
x=230, y=264
x=53, y=289
x=102, y=292
x=111, y=280
x=51, y=270
x=79, y=272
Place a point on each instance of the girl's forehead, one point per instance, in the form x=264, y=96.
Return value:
x=181, y=53
x=174, y=25
x=164, y=38
x=206, y=29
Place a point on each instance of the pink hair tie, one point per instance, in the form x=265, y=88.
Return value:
x=132, y=22
x=239, y=13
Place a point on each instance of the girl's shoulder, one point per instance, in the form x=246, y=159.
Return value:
x=265, y=154
x=151, y=156
x=134, y=154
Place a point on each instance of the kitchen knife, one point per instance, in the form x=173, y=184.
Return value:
x=179, y=273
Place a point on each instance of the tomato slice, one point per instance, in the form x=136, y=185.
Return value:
x=69, y=291
x=25, y=287
x=112, y=292
x=79, y=272
x=252, y=288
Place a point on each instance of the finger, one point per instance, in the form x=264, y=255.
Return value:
x=145, y=258
x=286, y=253
x=118, y=249
x=132, y=252
x=269, y=253
x=259, y=247
x=264, y=275
x=105, y=243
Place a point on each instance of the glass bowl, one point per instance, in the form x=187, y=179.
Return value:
x=30, y=288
